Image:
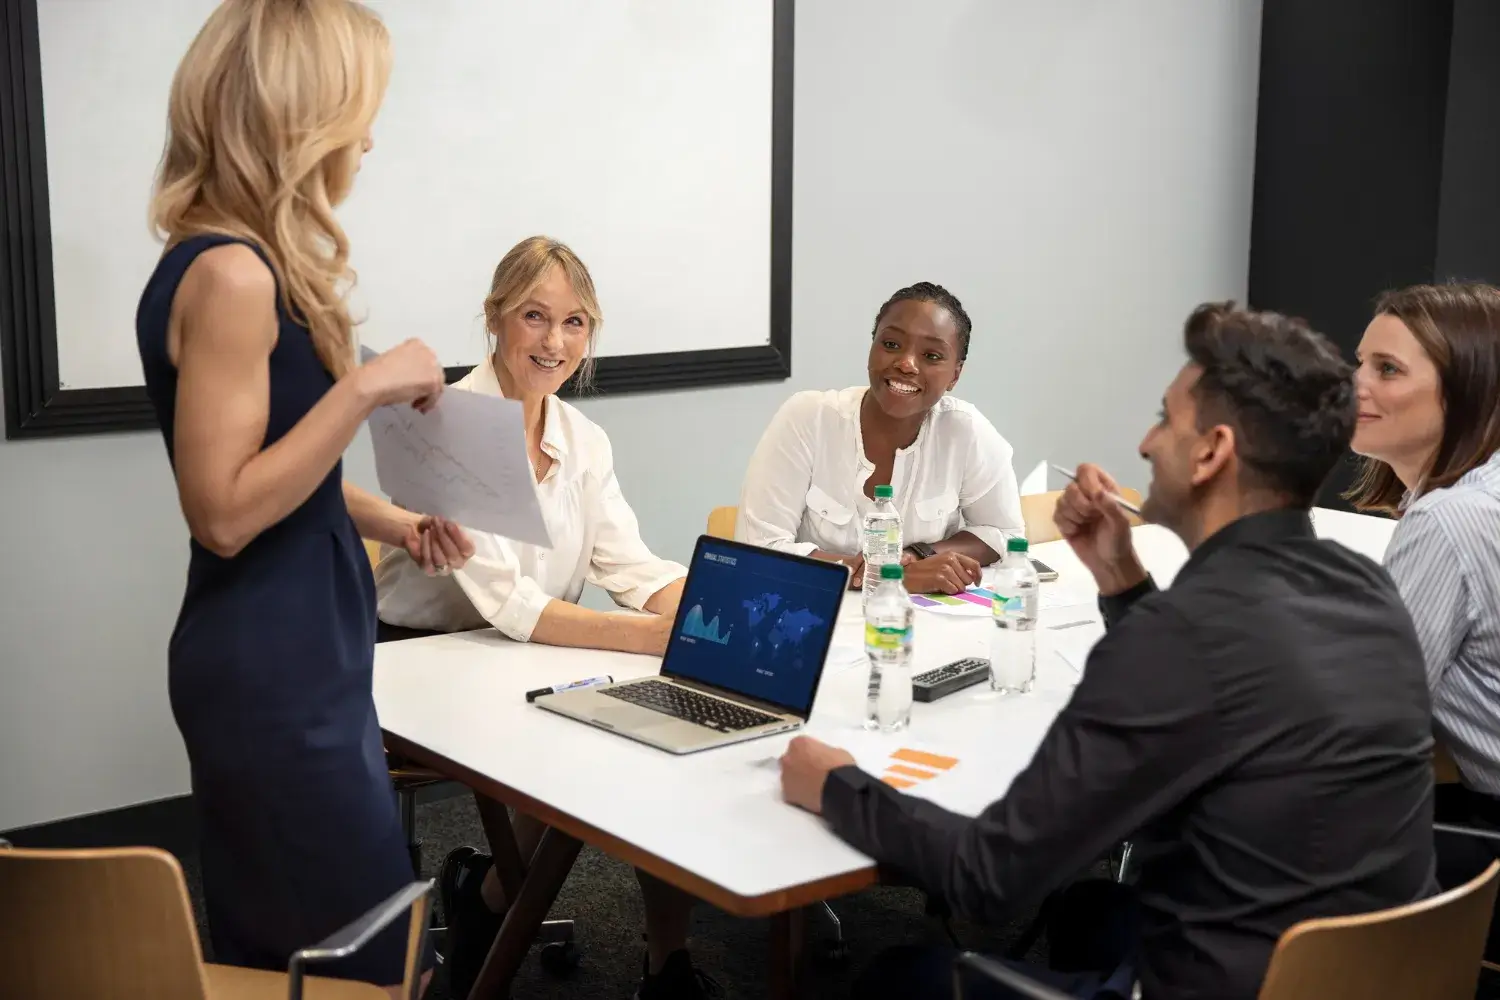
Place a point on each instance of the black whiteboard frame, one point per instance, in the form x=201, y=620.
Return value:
x=36, y=404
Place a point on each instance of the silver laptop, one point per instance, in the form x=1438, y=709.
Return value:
x=745, y=657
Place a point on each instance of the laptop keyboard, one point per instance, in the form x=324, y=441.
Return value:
x=690, y=706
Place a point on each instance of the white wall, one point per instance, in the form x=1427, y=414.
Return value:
x=1078, y=172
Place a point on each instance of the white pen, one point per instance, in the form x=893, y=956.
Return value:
x=1113, y=496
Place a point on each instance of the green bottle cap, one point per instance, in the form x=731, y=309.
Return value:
x=1016, y=545
x=890, y=571
x=883, y=493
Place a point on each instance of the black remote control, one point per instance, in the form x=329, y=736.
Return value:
x=945, y=680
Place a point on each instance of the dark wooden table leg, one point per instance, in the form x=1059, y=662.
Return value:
x=510, y=867
x=787, y=932
x=544, y=877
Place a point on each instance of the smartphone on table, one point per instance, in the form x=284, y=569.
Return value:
x=1044, y=573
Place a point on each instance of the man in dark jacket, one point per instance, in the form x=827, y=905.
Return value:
x=1260, y=730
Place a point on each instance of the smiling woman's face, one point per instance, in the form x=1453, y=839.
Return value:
x=542, y=341
x=914, y=358
x=1400, y=397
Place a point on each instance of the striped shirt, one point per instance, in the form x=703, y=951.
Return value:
x=1445, y=559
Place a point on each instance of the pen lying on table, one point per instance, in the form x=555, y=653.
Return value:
x=1113, y=496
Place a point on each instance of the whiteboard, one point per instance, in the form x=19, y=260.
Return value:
x=640, y=132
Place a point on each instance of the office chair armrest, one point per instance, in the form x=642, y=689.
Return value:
x=970, y=965
x=1466, y=831
x=353, y=936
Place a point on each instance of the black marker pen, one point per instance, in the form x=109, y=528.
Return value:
x=558, y=688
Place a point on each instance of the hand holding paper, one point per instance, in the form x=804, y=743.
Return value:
x=408, y=373
x=463, y=459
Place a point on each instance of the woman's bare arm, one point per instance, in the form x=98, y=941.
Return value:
x=565, y=624
x=377, y=518
x=224, y=320
x=968, y=544
x=664, y=602
x=434, y=542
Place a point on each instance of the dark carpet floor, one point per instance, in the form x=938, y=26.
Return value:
x=602, y=898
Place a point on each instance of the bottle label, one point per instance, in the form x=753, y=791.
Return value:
x=885, y=638
x=1012, y=605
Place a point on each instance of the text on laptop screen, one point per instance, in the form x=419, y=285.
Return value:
x=756, y=623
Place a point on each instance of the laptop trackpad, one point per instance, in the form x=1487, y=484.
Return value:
x=631, y=718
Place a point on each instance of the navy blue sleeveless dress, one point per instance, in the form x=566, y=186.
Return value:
x=269, y=672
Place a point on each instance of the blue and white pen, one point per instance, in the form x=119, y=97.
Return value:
x=571, y=685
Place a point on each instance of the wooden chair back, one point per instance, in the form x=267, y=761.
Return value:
x=721, y=522
x=1444, y=770
x=102, y=924
x=1037, y=508
x=1429, y=949
x=372, y=552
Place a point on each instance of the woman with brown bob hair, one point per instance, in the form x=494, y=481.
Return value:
x=1428, y=384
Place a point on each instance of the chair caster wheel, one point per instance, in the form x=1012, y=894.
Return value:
x=835, y=953
x=560, y=957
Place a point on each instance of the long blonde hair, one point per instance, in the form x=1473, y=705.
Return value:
x=268, y=112
x=524, y=267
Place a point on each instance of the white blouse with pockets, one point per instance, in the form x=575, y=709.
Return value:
x=804, y=489
x=596, y=539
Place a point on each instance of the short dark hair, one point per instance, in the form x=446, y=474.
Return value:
x=1458, y=326
x=926, y=291
x=1281, y=386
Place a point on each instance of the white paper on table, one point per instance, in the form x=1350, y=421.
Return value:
x=844, y=656
x=963, y=609
x=1052, y=596
x=1074, y=644
x=965, y=787
x=465, y=460
x=871, y=750
x=1056, y=595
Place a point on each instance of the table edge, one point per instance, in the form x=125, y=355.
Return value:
x=763, y=905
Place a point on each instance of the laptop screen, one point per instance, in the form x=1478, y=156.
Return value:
x=755, y=622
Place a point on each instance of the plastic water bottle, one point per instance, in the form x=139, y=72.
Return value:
x=1013, y=648
x=888, y=627
x=882, y=538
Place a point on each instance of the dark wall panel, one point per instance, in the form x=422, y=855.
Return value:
x=1377, y=157
x=1469, y=214
x=1348, y=157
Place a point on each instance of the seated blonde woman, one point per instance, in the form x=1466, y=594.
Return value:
x=813, y=475
x=544, y=317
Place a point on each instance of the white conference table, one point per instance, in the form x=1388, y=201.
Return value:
x=714, y=823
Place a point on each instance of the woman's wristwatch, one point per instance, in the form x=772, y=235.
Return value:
x=922, y=550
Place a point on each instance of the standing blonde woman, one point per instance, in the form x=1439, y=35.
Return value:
x=247, y=349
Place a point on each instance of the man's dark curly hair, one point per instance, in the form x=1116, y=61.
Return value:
x=1282, y=387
